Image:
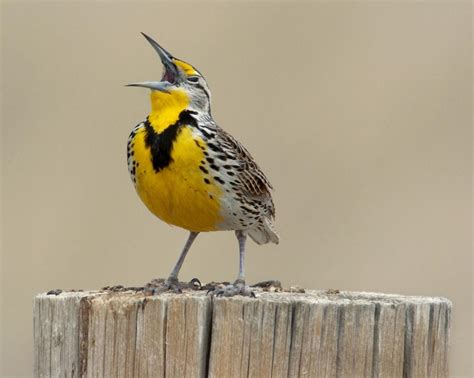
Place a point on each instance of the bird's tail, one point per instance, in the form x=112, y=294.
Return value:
x=264, y=232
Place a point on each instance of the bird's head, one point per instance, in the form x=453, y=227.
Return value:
x=181, y=83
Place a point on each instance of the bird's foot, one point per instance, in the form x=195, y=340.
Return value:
x=237, y=288
x=160, y=285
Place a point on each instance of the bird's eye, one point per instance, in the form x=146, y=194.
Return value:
x=193, y=79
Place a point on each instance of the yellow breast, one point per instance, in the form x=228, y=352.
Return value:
x=178, y=193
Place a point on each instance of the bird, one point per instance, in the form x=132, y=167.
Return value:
x=191, y=173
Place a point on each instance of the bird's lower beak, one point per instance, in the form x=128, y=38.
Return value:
x=161, y=86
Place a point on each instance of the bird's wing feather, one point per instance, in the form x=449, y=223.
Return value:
x=253, y=181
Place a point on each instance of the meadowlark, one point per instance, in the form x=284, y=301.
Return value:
x=191, y=173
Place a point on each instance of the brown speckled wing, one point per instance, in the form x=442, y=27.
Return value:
x=253, y=181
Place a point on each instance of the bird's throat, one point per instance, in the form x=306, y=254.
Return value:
x=161, y=144
x=166, y=108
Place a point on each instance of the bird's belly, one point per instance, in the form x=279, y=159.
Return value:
x=178, y=194
x=179, y=200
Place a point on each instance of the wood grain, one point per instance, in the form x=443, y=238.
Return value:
x=312, y=334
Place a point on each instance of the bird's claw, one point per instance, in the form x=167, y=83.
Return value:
x=237, y=288
x=159, y=285
x=195, y=284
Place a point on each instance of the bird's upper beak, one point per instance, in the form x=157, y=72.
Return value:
x=171, y=74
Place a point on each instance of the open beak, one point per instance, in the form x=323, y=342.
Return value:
x=161, y=86
x=171, y=74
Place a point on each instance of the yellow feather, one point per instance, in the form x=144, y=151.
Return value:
x=177, y=194
x=186, y=67
x=166, y=107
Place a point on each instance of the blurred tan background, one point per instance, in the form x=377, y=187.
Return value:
x=360, y=114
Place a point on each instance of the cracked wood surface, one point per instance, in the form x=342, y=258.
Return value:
x=312, y=334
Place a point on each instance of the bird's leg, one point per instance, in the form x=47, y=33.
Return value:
x=242, y=238
x=174, y=273
x=239, y=287
x=172, y=283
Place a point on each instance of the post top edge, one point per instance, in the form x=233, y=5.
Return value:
x=310, y=296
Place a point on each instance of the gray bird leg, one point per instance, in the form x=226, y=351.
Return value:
x=238, y=287
x=242, y=238
x=160, y=285
x=174, y=274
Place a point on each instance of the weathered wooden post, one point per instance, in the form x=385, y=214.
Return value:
x=279, y=334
